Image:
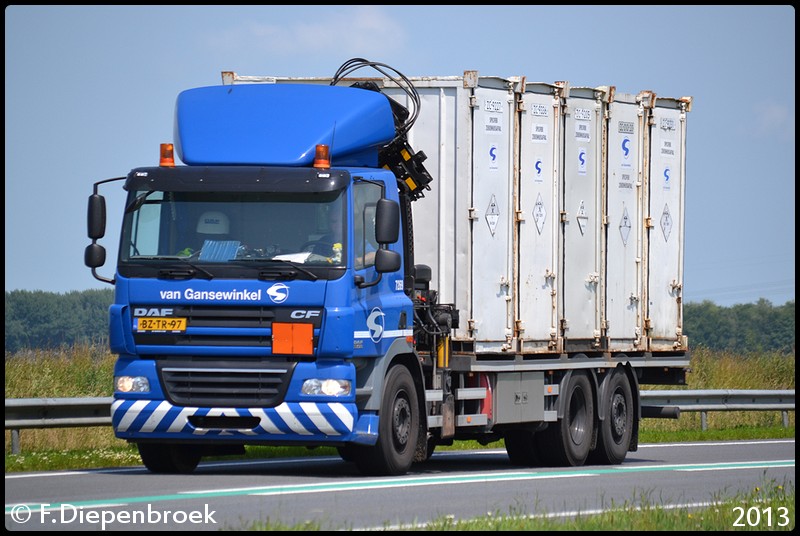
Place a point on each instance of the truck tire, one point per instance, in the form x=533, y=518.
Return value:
x=430, y=446
x=567, y=441
x=616, y=429
x=522, y=448
x=347, y=453
x=398, y=428
x=169, y=458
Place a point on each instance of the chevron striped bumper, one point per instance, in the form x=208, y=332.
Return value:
x=325, y=422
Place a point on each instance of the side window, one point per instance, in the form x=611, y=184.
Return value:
x=365, y=199
x=146, y=226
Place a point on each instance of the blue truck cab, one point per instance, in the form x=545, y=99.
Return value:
x=261, y=292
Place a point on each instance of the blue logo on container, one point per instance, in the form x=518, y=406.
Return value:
x=581, y=161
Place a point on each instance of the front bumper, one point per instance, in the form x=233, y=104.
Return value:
x=301, y=423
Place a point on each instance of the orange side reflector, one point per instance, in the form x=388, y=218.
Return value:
x=292, y=338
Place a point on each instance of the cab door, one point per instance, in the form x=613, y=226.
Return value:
x=382, y=311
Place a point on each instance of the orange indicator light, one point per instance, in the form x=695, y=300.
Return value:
x=167, y=158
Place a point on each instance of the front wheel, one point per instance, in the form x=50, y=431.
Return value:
x=169, y=458
x=347, y=452
x=398, y=428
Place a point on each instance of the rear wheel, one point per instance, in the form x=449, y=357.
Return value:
x=169, y=458
x=567, y=441
x=521, y=448
x=398, y=428
x=616, y=428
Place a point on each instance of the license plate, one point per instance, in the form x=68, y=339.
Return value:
x=160, y=324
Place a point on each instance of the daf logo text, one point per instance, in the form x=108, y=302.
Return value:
x=152, y=311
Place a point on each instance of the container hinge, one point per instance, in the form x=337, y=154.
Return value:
x=519, y=215
x=471, y=213
x=505, y=285
x=563, y=215
x=648, y=222
x=563, y=325
x=471, y=326
x=676, y=287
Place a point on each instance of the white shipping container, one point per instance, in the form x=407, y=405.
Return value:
x=582, y=212
x=624, y=272
x=665, y=182
x=466, y=128
x=540, y=141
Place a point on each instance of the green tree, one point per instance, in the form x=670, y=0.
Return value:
x=45, y=320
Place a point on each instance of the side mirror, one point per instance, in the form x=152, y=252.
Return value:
x=94, y=256
x=386, y=261
x=387, y=222
x=96, y=217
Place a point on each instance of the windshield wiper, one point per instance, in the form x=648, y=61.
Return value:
x=280, y=272
x=177, y=273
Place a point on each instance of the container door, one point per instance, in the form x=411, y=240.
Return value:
x=492, y=216
x=623, y=280
x=666, y=212
x=582, y=211
x=540, y=145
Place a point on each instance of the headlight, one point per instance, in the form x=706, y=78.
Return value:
x=132, y=384
x=328, y=387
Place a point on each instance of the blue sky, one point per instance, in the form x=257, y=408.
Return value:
x=90, y=94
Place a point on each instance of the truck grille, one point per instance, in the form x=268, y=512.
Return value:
x=239, y=326
x=226, y=383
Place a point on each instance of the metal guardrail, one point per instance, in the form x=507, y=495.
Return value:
x=722, y=400
x=22, y=413
x=57, y=412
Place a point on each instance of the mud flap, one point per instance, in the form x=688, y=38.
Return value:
x=448, y=416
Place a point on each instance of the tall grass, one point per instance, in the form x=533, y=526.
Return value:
x=727, y=370
x=87, y=371
x=80, y=371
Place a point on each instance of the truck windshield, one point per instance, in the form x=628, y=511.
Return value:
x=210, y=230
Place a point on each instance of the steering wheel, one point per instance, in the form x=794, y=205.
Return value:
x=320, y=247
